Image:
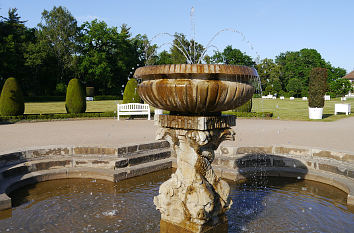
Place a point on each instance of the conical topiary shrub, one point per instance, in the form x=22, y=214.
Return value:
x=317, y=87
x=75, y=97
x=11, y=100
x=130, y=94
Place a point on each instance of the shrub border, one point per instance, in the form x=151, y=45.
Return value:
x=55, y=116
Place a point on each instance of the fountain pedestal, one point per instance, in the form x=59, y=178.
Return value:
x=194, y=198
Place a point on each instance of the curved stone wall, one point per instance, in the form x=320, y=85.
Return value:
x=114, y=164
x=60, y=162
x=329, y=167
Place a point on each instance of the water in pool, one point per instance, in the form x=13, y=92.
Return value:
x=88, y=205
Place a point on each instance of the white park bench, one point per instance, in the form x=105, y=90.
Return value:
x=346, y=108
x=267, y=97
x=133, y=109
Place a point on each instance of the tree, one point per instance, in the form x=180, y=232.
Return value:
x=14, y=40
x=57, y=36
x=336, y=85
x=298, y=65
x=44, y=68
x=185, y=51
x=295, y=86
x=339, y=87
x=334, y=73
x=269, y=73
x=96, y=50
x=107, y=57
x=232, y=56
x=163, y=58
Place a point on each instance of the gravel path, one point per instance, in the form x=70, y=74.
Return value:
x=338, y=135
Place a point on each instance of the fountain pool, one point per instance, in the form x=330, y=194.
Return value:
x=88, y=205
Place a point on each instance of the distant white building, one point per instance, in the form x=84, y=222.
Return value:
x=350, y=77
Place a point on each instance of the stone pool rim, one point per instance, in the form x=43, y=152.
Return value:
x=321, y=165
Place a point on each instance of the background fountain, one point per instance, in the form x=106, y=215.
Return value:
x=194, y=198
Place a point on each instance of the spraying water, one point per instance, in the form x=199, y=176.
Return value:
x=190, y=52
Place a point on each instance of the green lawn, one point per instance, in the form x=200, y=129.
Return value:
x=296, y=109
x=59, y=107
x=282, y=109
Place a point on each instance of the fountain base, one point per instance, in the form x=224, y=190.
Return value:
x=187, y=227
x=194, y=198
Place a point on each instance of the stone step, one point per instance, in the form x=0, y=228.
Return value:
x=12, y=183
x=94, y=161
x=142, y=169
x=55, y=163
x=16, y=157
x=287, y=150
x=142, y=157
x=259, y=161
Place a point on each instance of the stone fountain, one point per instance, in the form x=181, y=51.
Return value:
x=194, y=199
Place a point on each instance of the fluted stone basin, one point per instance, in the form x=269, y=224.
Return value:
x=195, y=199
x=196, y=89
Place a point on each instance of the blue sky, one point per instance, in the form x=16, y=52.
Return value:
x=270, y=26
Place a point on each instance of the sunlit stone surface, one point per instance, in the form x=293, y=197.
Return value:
x=194, y=198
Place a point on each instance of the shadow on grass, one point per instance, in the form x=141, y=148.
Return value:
x=324, y=116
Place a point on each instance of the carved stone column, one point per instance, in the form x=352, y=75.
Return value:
x=194, y=198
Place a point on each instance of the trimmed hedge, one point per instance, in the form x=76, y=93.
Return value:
x=131, y=92
x=107, y=97
x=250, y=114
x=11, y=100
x=59, y=116
x=317, y=87
x=75, y=97
x=246, y=107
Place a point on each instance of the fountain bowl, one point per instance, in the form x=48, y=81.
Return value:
x=196, y=89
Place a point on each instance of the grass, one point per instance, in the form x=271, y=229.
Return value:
x=297, y=109
x=282, y=109
x=59, y=107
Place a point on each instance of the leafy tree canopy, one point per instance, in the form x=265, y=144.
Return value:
x=232, y=56
x=14, y=40
x=269, y=73
x=59, y=32
x=185, y=51
x=107, y=56
x=295, y=86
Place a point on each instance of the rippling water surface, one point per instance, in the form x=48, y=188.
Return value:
x=87, y=205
